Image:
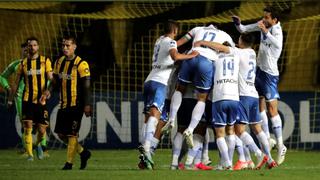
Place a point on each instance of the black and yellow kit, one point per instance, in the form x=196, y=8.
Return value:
x=70, y=76
x=34, y=72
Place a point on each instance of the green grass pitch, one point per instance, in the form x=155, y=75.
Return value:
x=122, y=164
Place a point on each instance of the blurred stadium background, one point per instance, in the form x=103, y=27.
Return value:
x=117, y=40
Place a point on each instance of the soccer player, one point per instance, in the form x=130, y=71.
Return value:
x=194, y=154
x=267, y=72
x=198, y=71
x=249, y=101
x=36, y=71
x=4, y=76
x=225, y=98
x=72, y=79
x=155, y=86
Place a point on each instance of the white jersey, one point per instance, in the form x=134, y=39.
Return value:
x=247, y=71
x=270, y=47
x=162, y=63
x=226, y=76
x=209, y=33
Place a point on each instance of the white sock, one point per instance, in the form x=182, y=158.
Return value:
x=143, y=132
x=231, y=142
x=176, y=149
x=197, y=159
x=277, y=129
x=197, y=113
x=175, y=104
x=264, y=123
x=247, y=153
x=223, y=149
x=239, y=149
x=264, y=144
x=250, y=144
x=205, y=149
x=198, y=142
x=154, y=144
x=150, y=129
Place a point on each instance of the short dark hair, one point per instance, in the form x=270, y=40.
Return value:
x=70, y=38
x=23, y=45
x=32, y=38
x=169, y=26
x=247, y=39
x=274, y=12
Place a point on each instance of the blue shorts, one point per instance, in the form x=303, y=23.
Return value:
x=198, y=70
x=267, y=85
x=154, y=95
x=225, y=112
x=249, y=110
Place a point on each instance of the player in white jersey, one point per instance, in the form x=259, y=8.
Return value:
x=198, y=71
x=249, y=102
x=267, y=72
x=225, y=98
x=155, y=86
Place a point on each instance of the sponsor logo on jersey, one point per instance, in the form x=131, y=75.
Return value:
x=34, y=72
x=65, y=76
x=220, y=81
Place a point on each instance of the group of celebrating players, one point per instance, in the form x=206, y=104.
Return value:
x=215, y=85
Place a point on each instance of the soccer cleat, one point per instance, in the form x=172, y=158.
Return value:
x=240, y=165
x=272, y=165
x=272, y=143
x=218, y=167
x=141, y=164
x=207, y=162
x=174, y=167
x=30, y=158
x=181, y=166
x=39, y=152
x=281, y=154
x=67, y=166
x=84, y=156
x=189, y=167
x=262, y=160
x=189, y=138
x=167, y=127
x=46, y=154
x=250, y=165
x=203, y=167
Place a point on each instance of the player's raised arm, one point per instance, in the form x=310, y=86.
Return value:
x=213, y=45
x=244, y=28
x=176, y=56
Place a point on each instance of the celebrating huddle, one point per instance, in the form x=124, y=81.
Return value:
x=218, y=86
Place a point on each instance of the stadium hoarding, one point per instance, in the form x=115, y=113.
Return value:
x=117, y=123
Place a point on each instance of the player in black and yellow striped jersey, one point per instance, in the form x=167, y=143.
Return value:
x=36, y=71
x=72, y=78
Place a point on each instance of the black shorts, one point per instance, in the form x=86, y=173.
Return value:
x=69, y=121
x=185, y=112
x=36, y=112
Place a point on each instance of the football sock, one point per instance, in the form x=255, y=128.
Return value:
x=150, y=130
x=231, y=142
x=72, y=148
x=176, y=149
x=239, y=149
x=250, y=144
x=223, y=149
x=175, y=104
x=277, y=129
x=264, y=123
x=264, y=144
x=28, y=140
x=197, y=113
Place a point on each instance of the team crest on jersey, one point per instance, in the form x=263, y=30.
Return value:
x=86, y=70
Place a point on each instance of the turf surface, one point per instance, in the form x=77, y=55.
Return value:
x=122, y=164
